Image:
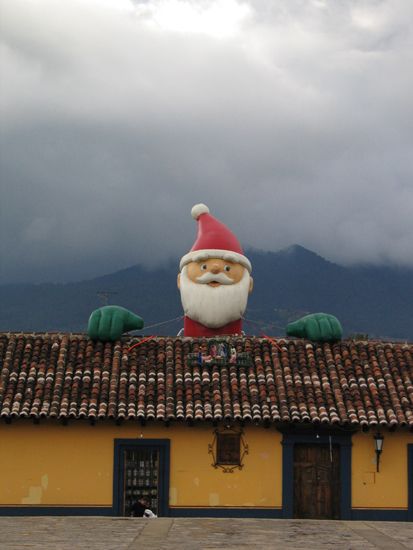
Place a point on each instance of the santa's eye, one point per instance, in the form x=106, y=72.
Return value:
x=227, y=268
x=204, y=267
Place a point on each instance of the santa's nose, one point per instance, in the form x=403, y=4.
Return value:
x=215, y=269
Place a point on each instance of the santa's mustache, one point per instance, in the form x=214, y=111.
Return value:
x=214, y=278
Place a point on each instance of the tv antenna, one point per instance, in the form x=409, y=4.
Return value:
x=105, y=295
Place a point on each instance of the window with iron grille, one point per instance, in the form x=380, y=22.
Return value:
x=229, y=448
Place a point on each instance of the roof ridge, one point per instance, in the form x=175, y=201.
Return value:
x=286, y=339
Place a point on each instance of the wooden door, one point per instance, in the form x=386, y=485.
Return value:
x=316, y=481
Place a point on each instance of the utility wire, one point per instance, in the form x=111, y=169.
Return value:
x=262, y=324
x=160, y=323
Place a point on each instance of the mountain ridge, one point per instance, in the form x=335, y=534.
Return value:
x=287, y=284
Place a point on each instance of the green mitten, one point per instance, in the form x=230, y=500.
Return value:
x=108, y=323
x=321, y=327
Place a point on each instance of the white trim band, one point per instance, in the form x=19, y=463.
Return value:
x=229, y=255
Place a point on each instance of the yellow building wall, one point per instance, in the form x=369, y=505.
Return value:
x=194, y=482
x=50, y=464
x=387, y=488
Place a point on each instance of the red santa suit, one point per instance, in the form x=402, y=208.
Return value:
x=196, y=330
x=214, y=240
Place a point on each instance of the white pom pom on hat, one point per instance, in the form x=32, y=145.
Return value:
x=199, y=209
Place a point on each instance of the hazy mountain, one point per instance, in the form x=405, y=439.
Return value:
x=377, y=301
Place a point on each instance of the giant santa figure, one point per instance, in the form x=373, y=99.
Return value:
x=214, y=281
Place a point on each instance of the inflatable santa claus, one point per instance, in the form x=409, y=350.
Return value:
x=214, y=282
x=215, y=279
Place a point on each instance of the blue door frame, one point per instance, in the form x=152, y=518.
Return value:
x=410, y=482
x=161, y=445
x=344, y=443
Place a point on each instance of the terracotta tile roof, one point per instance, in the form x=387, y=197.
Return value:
x=360, y=384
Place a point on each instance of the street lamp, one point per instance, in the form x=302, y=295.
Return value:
x=378, y=443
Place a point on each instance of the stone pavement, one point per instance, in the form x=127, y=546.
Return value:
x=97, y=533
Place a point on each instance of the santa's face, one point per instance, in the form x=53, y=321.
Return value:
x=215, y=272
x=214, y=292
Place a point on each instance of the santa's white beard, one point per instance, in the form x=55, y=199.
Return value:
x=214, y=307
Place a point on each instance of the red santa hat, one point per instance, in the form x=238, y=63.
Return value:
x=214, y=240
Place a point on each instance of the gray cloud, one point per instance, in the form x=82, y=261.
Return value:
x=292, y=120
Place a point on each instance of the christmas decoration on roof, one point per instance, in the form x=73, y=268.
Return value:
x=214, y=282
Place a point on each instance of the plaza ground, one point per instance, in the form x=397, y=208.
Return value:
x=69, y=533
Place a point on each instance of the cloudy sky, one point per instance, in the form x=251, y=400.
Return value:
x=291, y=119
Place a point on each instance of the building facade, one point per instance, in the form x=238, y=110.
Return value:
x=241, y=427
